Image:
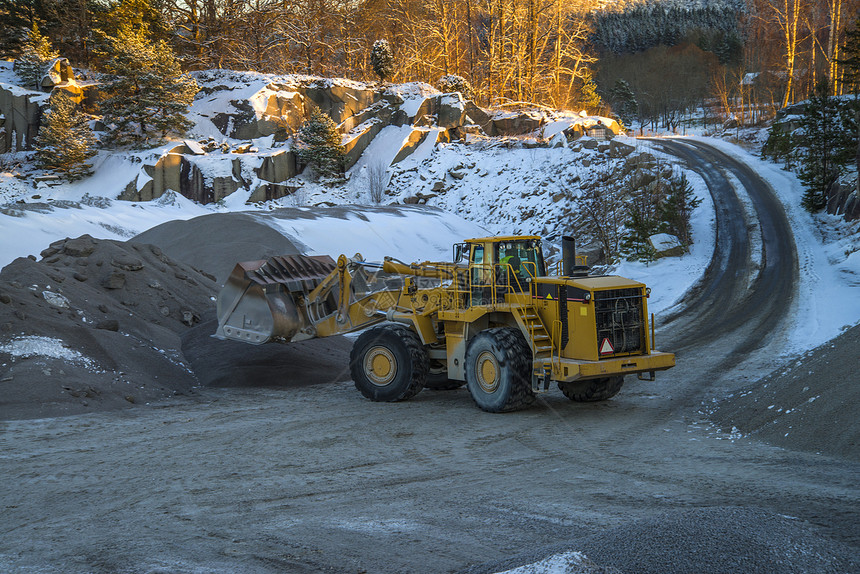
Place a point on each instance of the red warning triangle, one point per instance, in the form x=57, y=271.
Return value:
x=606, y=347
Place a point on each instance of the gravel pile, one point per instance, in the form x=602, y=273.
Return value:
x=809, y=404
x=713, y=540
x=94, y=325
x=100, y=324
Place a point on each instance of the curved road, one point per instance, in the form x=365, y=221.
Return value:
x=310, y=478
x=727, y=301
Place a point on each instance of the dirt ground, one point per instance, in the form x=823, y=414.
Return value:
x=314, y=478
x=275, y=463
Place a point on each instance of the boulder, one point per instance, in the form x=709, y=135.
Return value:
x=588, y=142
x=446, y=111
x=477, y=116
x=59, y=72
x=278, y=167
x=451, y=111
x=574, y=132
x=516, y=124
x=416, y=137
x=618, y=149
x=851, y=211
x=666, y=245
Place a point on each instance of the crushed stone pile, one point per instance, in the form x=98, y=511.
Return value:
x=809, y=404
x=719, y=540
x=95, y=324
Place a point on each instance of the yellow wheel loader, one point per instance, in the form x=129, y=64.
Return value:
x=493, y=318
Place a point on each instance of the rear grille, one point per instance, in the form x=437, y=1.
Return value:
x=620, y=321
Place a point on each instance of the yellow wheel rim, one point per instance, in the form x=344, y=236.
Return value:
x=488, y=372
x=380, y=366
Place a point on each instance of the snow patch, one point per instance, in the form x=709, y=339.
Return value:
x=556, y=564
x=34, y=346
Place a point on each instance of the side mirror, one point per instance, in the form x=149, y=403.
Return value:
x=459, y=250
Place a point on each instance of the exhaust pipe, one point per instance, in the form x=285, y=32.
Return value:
x=568, y=255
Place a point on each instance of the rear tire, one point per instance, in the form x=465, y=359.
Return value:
x=498, y=370
x=388, y=363
x=593, y=390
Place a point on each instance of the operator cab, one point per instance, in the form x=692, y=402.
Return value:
x=508, y=262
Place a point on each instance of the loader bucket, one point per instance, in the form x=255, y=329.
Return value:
x=258, y=301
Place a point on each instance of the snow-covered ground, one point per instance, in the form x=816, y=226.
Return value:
x=500, y=191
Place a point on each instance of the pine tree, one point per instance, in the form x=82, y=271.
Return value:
x=318, y=143
x=643, y=221
x=819, y=164
x=382, y=60
x=624, y=102
x=588, y=96
x=677, y=208
x=851, y=57
x=453, y=83
x=36, y=56
x=146, y=92
x=65, y=140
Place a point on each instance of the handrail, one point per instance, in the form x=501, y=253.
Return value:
x=553, y=339
x=490, y=276
x=579, y=260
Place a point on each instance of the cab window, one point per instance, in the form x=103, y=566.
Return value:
x=524, y=256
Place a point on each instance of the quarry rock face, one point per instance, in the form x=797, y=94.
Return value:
x=21, y=109
x=178, y=172
x=843, y=199
x=279, y=110
x=22, y=112
x=287, y=107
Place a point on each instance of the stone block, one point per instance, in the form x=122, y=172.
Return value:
x=450, y=110
x=59, y=72
x=479, y=117
x=416, y=137
x=358, y=141
x=278, y=167
x=519, y=124
x=666, y=245
x=618, y=149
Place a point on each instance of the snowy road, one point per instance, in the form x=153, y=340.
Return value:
x=739, y=292
x=310, y=478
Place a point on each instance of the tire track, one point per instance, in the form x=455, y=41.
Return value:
x=725, y=306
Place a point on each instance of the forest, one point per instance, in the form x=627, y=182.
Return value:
x=659, y=59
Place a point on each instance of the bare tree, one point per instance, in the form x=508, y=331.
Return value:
x=377, y=180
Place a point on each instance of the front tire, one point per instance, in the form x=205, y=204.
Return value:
x=498, y=370
x=388, y=363
x=593, y=390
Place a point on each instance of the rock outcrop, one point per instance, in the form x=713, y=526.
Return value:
x=843, y=199
x=22, y=112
